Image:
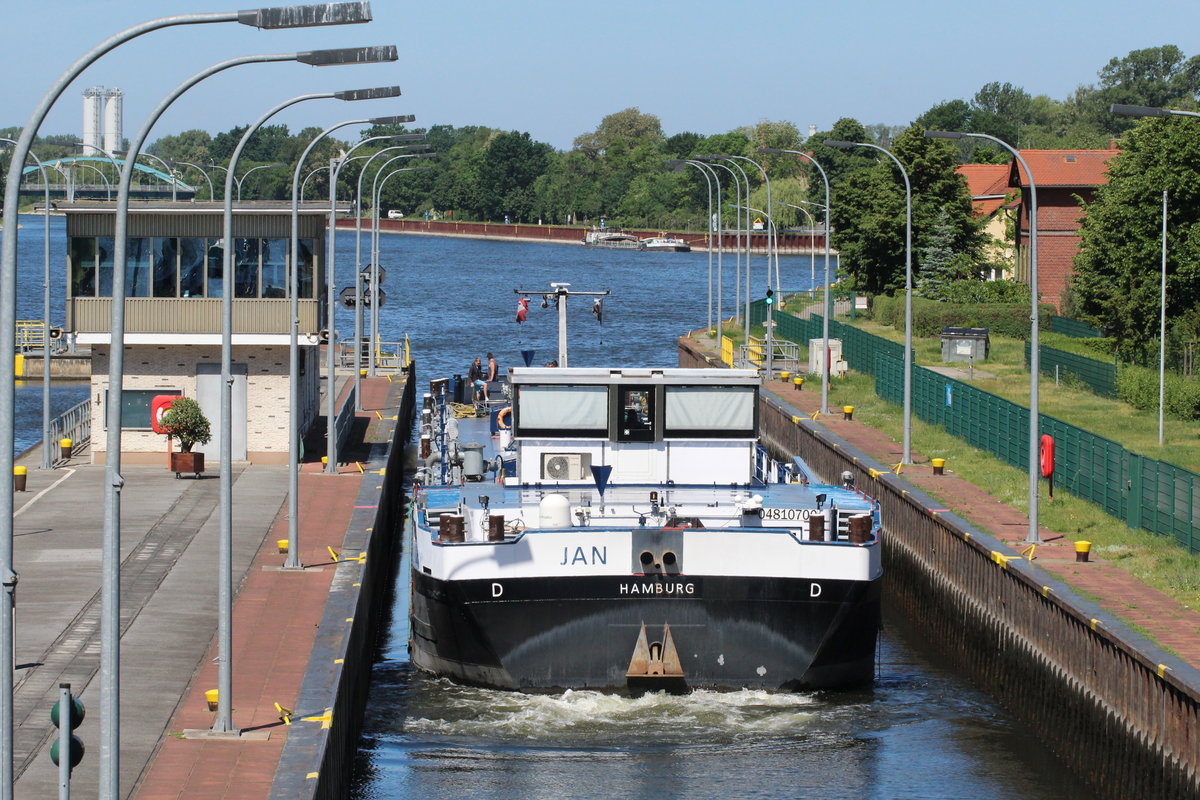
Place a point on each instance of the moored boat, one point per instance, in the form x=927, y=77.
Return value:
x=622, y=529
x=611, y=238
x=663, y=242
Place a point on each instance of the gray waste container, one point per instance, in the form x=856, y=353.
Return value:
x=965, y=344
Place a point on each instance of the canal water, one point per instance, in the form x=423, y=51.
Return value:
x=920, y=732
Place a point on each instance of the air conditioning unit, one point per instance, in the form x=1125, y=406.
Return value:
x=565, y=466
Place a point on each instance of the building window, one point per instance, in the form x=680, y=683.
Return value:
x=189, y=267
x=135, y=407
x=83, y=267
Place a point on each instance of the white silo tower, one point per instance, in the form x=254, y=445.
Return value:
x=113, y=123
x=93, y=100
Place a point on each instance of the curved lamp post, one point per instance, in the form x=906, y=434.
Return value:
x=769, y=323
x=365, y=55
x=828, y=278
x=906, y=458
x=242, y=179
x=1151, y=111
x=311, y=173
x=293, y=558
x=103, y=177
x=743, y=307
x=283, y=17
x=376, y=191
x=1033, y=537
x=211, y=194
x=335, y=168
x=737, y=280
x=165, y=165
x=677, y=165
x=47, y=461
x=358, y=321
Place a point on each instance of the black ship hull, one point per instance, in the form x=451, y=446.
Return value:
x=635, y=633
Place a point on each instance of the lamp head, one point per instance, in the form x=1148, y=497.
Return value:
x=1138, y=111
x=349, y=55
x=374, y=93
x=400, y=120
x=839, y=144
x=945, y=135
x=307, y=16
x=772, y=150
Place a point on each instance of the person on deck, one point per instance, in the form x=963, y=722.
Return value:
x=493, y=369
x=475, y=376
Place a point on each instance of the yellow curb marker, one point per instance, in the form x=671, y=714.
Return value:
x=325, y=719
x=1095, y=623
x=1162, y=668
x=1045, y=591
x=333, y=553
x=285, y=714
x=339, y=661
x=311, y=776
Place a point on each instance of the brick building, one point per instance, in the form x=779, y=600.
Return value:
x=1065, y=179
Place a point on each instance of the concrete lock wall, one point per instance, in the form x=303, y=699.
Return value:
x=1112, y=705
x=317, y=761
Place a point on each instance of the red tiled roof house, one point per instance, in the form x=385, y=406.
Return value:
x=992, y=200
x=1063, y=179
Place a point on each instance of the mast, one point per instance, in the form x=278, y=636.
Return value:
x=559, y=295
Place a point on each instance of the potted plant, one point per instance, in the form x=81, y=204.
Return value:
x=186, y=423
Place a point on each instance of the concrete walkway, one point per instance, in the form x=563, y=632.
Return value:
x=1167, y=621
x=169, y=537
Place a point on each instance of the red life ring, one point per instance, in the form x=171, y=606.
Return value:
x=159, y=406
x=502, y=416
x=1047, y=455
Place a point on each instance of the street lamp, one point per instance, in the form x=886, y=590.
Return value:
x=282, y=17
x=293, y=559
x=746, y=179
x=242, y=179
x=198, y=168
x=364, y=55
x=906, y=457
x=170, y=172
x=103, y=177
x=1148, y=111
x=677, y=165
x=374, y=263
x=769, y=325
x=828, y=278
x=1033, y=537
x=376, y=191
x=47, y=461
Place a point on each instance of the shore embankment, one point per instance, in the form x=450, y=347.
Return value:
x=789, y=243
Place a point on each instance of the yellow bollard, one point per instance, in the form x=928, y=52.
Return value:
x=847, y=412
x=20, y=476
x=211, y=697
x=939, y=466
x=282, y=544
x=1082, y=550
x=798, y=383
x=65, y=445
x=784, y=375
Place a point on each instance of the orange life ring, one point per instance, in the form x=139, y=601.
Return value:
x=502, y=416
x=1047, y=455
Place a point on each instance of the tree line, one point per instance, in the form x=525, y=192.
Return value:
x=618, y=173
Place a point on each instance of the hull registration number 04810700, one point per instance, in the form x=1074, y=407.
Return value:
x=794, y=514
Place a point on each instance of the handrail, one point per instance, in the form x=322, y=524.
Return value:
x=75, y=424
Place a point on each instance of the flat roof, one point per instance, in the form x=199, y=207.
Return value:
x=309, y=207
x=609, y=375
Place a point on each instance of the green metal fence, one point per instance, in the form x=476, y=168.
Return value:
x=1150, y=494
x=1099, y=376
x=1073, y=327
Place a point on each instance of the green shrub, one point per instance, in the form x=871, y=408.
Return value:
x=929, y=317
x=1138, y=386
x=186, y=423
x=1098, y=349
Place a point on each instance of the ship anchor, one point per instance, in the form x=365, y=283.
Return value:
x=655, y=666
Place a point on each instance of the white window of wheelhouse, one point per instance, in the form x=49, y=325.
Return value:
x=709, y=411
x=562, y=411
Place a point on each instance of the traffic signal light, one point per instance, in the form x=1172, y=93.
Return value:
x=770, y=297
x=75, y=714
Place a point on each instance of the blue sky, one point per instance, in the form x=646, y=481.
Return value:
x=555, y=69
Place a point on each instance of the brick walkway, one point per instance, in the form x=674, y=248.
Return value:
x=1167, y=621
x=275, y=622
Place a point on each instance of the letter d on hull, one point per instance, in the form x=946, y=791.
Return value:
x=814, y=590
x=498, y=590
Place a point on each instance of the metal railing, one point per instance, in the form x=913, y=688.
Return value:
x=74, y=424
x=387, y=355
